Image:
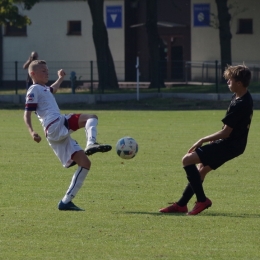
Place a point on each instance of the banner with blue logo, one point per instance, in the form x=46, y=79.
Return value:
x=201, y=15
x=114, y=16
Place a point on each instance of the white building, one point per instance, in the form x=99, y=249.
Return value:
x=245, y=30
x=61, y=33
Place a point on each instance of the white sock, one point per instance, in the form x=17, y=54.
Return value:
x=76, y=183
x=91, y=130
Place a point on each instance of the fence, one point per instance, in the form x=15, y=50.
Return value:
x=14, y=76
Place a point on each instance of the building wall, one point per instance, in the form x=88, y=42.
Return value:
x=48, y=35
x=177, y=14
x=205, y=40
x=246, y=46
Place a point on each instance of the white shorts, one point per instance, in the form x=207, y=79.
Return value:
x=58, y=137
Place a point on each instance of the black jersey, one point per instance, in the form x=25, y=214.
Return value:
x=238, y=117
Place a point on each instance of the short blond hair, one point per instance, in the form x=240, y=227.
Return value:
x=35, y=64
x=238, y=73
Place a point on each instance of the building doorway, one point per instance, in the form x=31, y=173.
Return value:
x=172, y=63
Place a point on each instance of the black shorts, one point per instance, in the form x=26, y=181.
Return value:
x=217, y=153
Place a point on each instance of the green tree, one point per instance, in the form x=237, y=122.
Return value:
x=106, y=68
x=9, y=14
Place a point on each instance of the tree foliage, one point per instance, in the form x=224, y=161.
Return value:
x=9, y=12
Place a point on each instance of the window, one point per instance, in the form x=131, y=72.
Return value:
x=11, y=30
x=74, y=28
x=245, y=26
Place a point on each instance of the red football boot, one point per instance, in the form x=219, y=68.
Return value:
x=200, y=206
x=174, y=208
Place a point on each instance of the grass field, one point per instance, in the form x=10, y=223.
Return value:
x=122, y=198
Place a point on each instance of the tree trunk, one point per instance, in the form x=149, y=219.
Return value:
x=1, y=56
x=154, y=44
x=106, y=68
x=225, y=35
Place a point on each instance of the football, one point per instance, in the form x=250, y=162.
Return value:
x=126, y=147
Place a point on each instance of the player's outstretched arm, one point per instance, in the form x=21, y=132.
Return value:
x=56, y=84
x=28, y=122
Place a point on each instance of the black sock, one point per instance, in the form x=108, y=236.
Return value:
x=194, y=178
x=186, y=195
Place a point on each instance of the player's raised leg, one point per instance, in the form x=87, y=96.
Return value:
x=90, y=123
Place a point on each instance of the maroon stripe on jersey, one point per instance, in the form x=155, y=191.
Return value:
x=51, y=89
x=31, y=107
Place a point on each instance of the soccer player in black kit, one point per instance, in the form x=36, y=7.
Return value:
x=223, y=145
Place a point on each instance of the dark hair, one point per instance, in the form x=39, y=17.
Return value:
x=238, y=73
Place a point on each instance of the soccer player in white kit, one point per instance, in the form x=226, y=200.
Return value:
x=58, y=127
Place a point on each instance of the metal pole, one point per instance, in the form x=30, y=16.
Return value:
x=91, y=76
x=216, y=68
x=137, y=78
x=158, y=78
x=16, y=77
x=186, y=73
x=202, y=83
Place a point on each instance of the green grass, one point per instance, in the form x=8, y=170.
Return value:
x=122, y=198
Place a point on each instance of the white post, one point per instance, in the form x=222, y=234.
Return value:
x=137, y=78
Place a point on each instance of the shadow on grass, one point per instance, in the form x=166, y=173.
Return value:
x=204, y=214
x=157, y=214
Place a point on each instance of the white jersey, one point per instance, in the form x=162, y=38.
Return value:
x=41, y=100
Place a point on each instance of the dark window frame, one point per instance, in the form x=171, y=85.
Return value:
x=11, y=30
x=245, y=26
x=74, y=28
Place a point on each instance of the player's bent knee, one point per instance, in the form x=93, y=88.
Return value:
x=89, y=116
x=186, y=160
x=94, y=116
x=81, y=159
x=190, y=158
x=84, y=118
x=183, y=160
